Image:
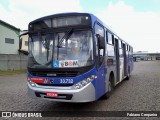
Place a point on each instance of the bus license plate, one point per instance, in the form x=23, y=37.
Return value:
x=52, y=94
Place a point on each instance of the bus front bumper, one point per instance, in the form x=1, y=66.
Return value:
x=85, y=94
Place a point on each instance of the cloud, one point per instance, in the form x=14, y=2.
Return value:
x=21, y=12
x=140, y=29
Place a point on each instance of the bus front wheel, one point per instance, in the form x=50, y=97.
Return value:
x=110, y=87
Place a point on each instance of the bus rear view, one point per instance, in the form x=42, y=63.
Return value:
x=67, y=59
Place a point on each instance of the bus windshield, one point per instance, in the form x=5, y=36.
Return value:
x=56, y=50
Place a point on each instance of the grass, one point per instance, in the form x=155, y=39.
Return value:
x=12, y=72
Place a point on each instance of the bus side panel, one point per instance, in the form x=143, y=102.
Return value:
x=100, y=82
x=131, y=64
x=111, y=68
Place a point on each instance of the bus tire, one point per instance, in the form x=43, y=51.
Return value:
x=110, y=87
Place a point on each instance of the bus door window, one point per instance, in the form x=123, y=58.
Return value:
x=99, y=32
x=121, y=49
x=117, y=59
x=125, y=58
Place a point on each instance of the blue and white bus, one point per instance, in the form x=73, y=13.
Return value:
x=75, y=57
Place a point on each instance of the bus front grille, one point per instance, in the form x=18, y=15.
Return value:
x=54, y=74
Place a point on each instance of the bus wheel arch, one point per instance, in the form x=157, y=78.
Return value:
x=110, y=85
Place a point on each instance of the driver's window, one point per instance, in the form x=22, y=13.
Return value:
x=99, y=30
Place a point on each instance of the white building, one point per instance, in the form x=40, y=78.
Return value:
x=9, y=38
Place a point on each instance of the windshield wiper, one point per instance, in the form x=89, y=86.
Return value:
x=65, y=37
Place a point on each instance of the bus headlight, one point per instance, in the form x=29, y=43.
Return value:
x=33, y=80
x=31, y=83
x=83, y=82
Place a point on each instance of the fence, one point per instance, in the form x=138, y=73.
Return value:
x=13, y=62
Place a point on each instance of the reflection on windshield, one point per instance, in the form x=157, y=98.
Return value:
x=76, y=51
x=42, y=49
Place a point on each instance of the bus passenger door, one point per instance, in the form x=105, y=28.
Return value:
x=117, y=60
x=121, y=60
x=125, y=59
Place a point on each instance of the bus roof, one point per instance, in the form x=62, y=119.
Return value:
x=93, y=17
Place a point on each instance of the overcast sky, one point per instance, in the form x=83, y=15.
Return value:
x=135, y=21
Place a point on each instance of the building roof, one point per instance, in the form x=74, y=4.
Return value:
x=9, y=25
x=146, y=53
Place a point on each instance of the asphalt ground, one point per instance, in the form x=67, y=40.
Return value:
x=140, y=93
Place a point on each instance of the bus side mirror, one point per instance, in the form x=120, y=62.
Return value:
x=22, y=48
x=101, y=41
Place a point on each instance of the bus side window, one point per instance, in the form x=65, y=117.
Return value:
x=109, y=40
x=120, y=45
x=99, y=30
x=110, y=44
